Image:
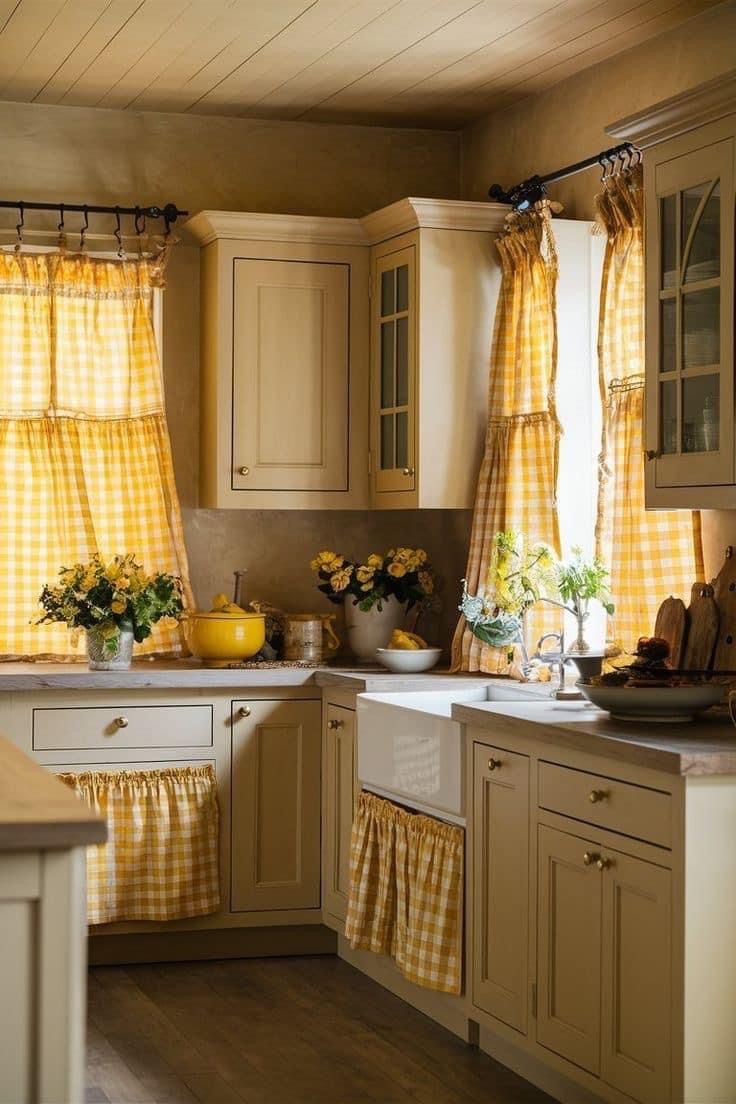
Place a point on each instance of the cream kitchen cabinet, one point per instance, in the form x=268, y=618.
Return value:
x=284, y=380
x=434, y=283
x=275, y=846
x=690, y=188
x=338, y=807
x=500, y=897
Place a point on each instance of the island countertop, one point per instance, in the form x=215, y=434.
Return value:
x=188, y=674
x=705, y=747
x=37, y=811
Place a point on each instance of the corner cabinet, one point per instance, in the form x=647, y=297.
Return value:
x=690, y=188
x=284, y=362
x=435, y=277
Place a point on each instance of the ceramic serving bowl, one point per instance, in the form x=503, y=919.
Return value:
x=407, y=661
x=653, y=703
x=221, y=638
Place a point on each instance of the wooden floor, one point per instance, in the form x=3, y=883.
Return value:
x=275, y=1031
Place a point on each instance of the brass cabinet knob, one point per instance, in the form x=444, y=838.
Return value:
x=333, y=724
x=590, y=857
x=121, y=722
x=408, y=471
x=245, y=470
x=597, y=795
x=603, y=864
x=652, y=454
x=244, y=711
x=494, y=764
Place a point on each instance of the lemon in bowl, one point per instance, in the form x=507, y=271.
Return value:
x=407, y=653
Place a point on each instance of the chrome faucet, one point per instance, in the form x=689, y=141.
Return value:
x=556, y=659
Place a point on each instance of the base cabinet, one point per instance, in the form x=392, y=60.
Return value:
x=339, y=788
x=275, y=844
x=501, y=884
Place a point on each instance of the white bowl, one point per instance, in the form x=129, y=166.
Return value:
x=653, y=703
x=407, y=661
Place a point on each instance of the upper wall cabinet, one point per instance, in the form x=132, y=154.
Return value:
x=434, y=283
x=284, y=386
x=294, y=307
x=689, y=241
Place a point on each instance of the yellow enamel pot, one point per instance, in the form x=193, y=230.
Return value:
x=221, y=638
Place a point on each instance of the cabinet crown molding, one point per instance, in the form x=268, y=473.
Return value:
x=667, y=119
x=208, y=226
x=398, y=218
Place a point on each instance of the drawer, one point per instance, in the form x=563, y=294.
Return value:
x=607, y=803
x=122, y=726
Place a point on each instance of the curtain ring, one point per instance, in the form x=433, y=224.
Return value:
x=83, y=231
x=19, y=227
x=60, y=228
x=118, y=235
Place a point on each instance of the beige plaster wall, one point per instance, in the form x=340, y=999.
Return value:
x=97, y=156
x=567, y=123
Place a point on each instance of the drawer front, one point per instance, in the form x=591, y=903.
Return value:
x=607, y=802
x=122, y=726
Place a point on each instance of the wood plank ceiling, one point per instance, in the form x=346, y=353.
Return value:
x=437, y=63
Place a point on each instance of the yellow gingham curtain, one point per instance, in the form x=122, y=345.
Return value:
x=518, y=477
x=160, y=861
x=85, y=460
x=406, y=892
x=650, y=553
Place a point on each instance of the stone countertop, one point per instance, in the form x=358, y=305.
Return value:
x=705, y=747
x=186, y=674
x=38, y=811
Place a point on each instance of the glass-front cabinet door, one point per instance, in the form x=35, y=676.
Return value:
x=690, y=373
x=394, y=360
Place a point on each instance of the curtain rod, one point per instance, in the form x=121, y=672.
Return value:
x=525, y=195
x=169, y=212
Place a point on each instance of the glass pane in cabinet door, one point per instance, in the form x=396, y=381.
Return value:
x=668, y=322
x=668, y=397
x=704, y=258
x=387, y=442
x=402, y=288
x=402, y=361
x=701, y=328
x=668, y=224
x=387, y=364
x=388, y=283
x=402, y=440
x=700, y=414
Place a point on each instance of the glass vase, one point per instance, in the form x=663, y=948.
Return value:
x=100, y=658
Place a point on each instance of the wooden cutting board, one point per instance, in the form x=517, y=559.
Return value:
x=724, y=592
x=702, y=629
x=671, y=625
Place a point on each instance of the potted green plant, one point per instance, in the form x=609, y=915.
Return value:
x=578, y=582
x=116, y=603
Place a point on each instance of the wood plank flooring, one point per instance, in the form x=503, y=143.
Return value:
x=275, y=1031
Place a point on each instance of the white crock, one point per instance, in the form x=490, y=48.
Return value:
x=371, y=629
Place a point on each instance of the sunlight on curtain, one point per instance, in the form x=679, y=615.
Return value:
x=161, y=858
x=650, y=553
x=85, y=459
x=518, y=476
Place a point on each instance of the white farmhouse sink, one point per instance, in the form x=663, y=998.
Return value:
x=410, y=750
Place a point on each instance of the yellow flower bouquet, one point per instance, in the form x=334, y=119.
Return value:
x=110, y=599
x=402, y=573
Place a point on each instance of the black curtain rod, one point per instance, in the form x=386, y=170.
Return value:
x=169, y=212
x=529, y=192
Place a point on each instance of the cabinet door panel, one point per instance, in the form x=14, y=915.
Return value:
x=276, y=805
x=636, y=978
x=393, y=390
x=290, y=375
x=501, y=884
x=339, y=805
x=569, y=968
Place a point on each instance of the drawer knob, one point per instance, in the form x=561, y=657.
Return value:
x=590, y=857
x=408, y=471
x=603, y=864
x=597, y=795
x=121, y=722
x=244, y=711
x=245, y=470
x=494, y=764
x=335, y=724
